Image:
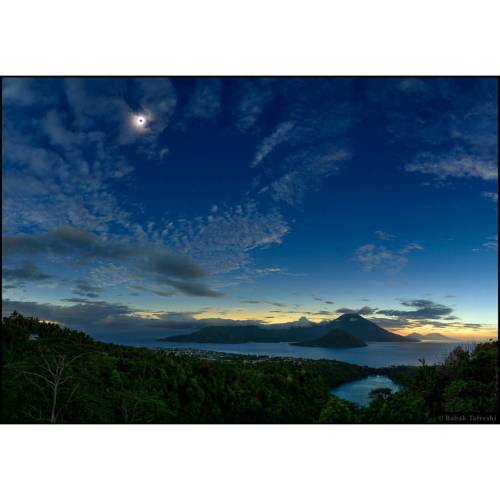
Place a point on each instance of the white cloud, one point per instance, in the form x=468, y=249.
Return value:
x=382, y=235
x=491, y=196
x=60, y=165
x=110, y=262
x=26, y=92
x=410, y=247
x=308, y=170
x=492, y=243
x=205, y=103
x=373, y=257
x=110, y=275
x=280, y=135
x=454, y=165
x=222, y=240
x=256, y=95
x=290, y=188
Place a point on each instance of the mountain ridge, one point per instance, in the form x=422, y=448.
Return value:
x=353, y=324
x=429, y=336
x=365, y=329
x=334, y=339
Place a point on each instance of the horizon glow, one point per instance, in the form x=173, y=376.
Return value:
x=251, y=200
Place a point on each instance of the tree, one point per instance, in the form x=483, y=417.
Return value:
x=53, y=373
x=383, y=394
x=338, y=411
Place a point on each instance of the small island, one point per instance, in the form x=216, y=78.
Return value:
x=334, y=338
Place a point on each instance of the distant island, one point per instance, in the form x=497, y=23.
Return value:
x=353, y=324
x=428, y=336
x=334, y=338
x=238, y=335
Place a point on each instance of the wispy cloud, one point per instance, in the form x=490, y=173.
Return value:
x=447, y=112
x=313, y=125
x=223, y=240
x=422, y=309
x=26, y=272
x=150, y=262
x=456, y=165
x=280, y=135
x=309, y=170
x=69, y=149
x=373, y=257
x=365, y=310
x=258, y=301
x=453, y=125
x=205, y=102
x=490, y=196
x=59, y=169
x=107, y=318
x=319, y=299
x=492, y=243
x=87, y=289
x=382, y=235
x=256, y=95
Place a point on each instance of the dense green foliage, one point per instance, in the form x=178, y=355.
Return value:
x=99, y=383
x=54, y=374
x=463, y=389
x=339, y=411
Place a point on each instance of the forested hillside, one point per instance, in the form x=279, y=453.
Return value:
x=57, y=375
x=64, y=376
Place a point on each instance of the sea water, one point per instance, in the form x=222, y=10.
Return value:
x=375, y=354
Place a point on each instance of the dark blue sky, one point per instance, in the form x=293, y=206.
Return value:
x=145, y=204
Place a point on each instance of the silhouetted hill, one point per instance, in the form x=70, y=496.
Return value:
x=334, y=338
x=366, y=330
x=353, y=324
x=428, y=336
x=242, y=334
